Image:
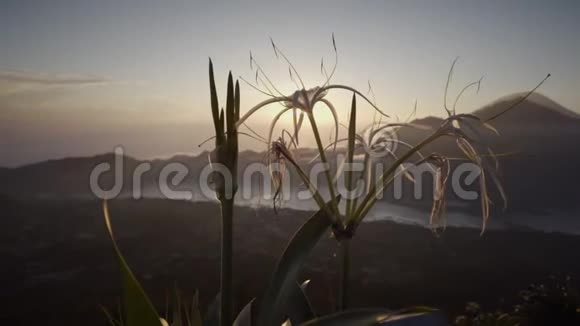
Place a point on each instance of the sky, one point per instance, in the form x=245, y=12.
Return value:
x=78, y=78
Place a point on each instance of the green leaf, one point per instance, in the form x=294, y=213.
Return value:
x=212, y=316
x=214, y=100
x=290, y=263
x=298, y=309
x=230, y=107
x=194, y=315
x=177, y=319
x=237, y=105
x=139, y=310
x=112, y=321
x=234, y=135
x=370, y=317
x=350, y=155
x=220, y=136
x=244, y=318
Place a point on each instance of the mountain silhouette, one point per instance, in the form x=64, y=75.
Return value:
x=536, y=109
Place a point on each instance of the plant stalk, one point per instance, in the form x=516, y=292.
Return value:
x=344, y=247
x=325, y=161
x=227, y=206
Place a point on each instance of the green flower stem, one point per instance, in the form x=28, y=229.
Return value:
x=344, y=243
x=312, y=188
x=355, y=200
x=344, y=247
x=325, y=161
x=227, y=206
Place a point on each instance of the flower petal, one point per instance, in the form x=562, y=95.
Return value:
x=328, y=87
x=259, y=106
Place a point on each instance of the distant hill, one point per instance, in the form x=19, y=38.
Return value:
x=429, y=121
x=541, y=173
x=536, y=109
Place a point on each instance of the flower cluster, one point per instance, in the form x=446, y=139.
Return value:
x=373, y=143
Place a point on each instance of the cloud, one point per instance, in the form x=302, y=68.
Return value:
x=15, y=84
x=20, y=77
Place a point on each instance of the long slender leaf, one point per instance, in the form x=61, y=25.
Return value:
x=244, y=318
x=230, y=107
x=291, y=261
x=371, y=317
x=194, y=313
x=139, y=310
x=177, y=314
x=237, y=104
x=350, y=155
x=214, y=101
x=298, y=309
x=212, y=315
x=112, y=321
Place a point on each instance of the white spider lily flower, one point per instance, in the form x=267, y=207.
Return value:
x=439, y=206
x=459, y=125
x=456, y=126
x=278, y=156
x=304, y=101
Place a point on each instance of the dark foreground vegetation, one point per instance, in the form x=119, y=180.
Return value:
x=58, y=266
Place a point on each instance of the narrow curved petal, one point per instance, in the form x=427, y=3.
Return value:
x=299, y=126
x=273, y=124
x=409, y=146
x=484, y=201
x=469, y=148
x=335, y=117
x=465, y=115
x=476, y=118
x=326, y=148
x=470, y=85
x=499, y=188
x=325, y=88
x=403, y=170
x=398, y=124
x=449, y=75
x=239, y=133
x=295, y=122
x=492, y=173
x=361, y=140
x=259, y=106
x=253, y=132
x=490, y=127
x=292, y=140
